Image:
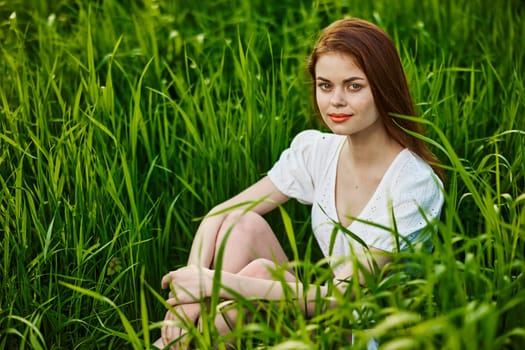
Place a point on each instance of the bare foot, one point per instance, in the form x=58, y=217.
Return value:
x=182, y=317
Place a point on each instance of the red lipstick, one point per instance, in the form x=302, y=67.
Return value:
x=339, y=117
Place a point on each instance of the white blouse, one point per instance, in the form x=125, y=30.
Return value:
x=409, y=192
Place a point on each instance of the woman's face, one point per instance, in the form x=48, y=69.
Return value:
x=344, y=96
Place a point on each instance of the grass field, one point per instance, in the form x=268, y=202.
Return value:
x=123, y=122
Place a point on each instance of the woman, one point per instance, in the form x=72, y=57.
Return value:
x=369, y=169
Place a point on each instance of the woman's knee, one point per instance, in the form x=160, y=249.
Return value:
x=259, y=268
x=241, y=224
x=245, y=236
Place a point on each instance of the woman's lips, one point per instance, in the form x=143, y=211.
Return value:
x=339, y=117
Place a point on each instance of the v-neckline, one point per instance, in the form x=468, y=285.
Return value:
x=374, y=194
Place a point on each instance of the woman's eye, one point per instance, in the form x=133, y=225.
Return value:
x=324, y=86
x=354, y=87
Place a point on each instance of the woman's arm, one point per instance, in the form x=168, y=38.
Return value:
x=201, y=252
x=192, y=283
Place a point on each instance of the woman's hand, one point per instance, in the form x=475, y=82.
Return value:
x=188, y=284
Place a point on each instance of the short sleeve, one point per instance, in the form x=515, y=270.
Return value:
x=412, y=200
x=416, y=206
x=292, y=173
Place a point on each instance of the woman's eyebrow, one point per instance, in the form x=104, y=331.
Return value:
x=352, y=79
x=347, y=80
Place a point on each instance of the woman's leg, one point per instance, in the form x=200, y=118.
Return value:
x=259, y=268
x=243, y=238
x=184, y=316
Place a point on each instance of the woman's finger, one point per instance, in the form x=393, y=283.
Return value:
x=166, y=279
x=172, y=301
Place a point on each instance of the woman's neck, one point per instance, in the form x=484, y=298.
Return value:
x=367, y=150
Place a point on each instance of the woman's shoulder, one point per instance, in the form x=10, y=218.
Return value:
x=416, y=164
x=412, y=172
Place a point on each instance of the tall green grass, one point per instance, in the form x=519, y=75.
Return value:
x=122, y=122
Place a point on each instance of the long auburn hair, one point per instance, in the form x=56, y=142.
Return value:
x=375, y=54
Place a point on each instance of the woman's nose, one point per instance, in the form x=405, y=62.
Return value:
x=338, y=98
